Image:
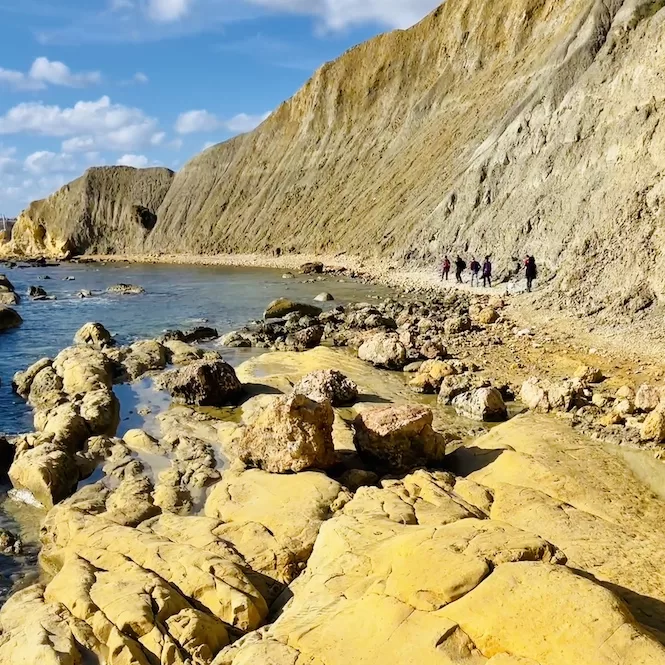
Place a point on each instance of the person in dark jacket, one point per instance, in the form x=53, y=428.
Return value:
x=487, y=272
x=531, y=272
x=460, y=267
x=445, y=268
x=475, y=272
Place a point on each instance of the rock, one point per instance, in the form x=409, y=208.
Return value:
x=101, y=411
x=84, y=293
x=9, y=298
x=648, y=398
x=22, y=381
x=279, y=308
x=399, y=438
x=48, y=471
x=83, y=369
x=484, y=404
x=126, y=289
x=202, y=383
x=46, y=390
x=181, y=353
x=94, y=335
x=307, y=338
x=324, y=297
x=292, y=433
x=625, y=392
x=288, y=275
x=65, y=424
x=10, y=545
x=200, y=334
x=589, y=374
x=611, y=419
x=9, y=319
x=315, y=268
x=291, y=508
x=354, y=479
x=37, y=292
x=145, y=356
x=5, y=285
x=545, y=396
x=384, y=350
x=430, y=376
x=599, y=400
x=457, y=324
x=328, y=385
x=653, y=428
x=624, y=407
x=452, y=387
x=413, y=368
x=433, y=350
x=487, y=316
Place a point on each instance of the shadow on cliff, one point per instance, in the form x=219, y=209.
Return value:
x=468, y=459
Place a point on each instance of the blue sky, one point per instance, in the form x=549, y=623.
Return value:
x=152, y=82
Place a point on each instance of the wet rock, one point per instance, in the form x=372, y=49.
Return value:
x=37, y=292
x=290, y=434
x=200, y=334
x=9, y=543
x=125, y=289
x=84, y=293
x=94, y=335
x=279, y=308
x=202, y=383
x=5, y=285
x=9, y=298
x=181, y=353
x=145, y=356
x=485, y=404
x=413, y=368
x=328, y=385
x=399, y=438
x=324, y=297
x=653, y=428
x=315, y=268
x=9, y=318
x=384, y=350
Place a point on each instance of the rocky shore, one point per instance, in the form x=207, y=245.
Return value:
x=362, y=492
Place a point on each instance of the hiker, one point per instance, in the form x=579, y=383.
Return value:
x=460, y=267
x=475, y=271
x=445, y=268
x=487, y=272
x=531, y=272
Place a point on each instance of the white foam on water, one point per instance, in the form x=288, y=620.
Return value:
x=24, y=496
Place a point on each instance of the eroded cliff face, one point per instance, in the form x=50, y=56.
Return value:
x=498, y=127
x=108, y=209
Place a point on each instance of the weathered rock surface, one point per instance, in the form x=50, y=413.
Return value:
x=279, y=308
x=126, y=289
x=482, y=404
x=384, y=350
x=202, y=383
x=290, y=434
x=399, y=437
x=95, y=335
x=329, y=385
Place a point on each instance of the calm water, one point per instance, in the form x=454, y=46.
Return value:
x=176, y=297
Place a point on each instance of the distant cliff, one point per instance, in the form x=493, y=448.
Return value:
x=108, y=209
x=493, y=126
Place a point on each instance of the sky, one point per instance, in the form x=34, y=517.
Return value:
x=153, y=82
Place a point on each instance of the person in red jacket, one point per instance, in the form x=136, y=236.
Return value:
x=445, y=268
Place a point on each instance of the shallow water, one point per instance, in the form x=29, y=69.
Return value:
x=176, y=297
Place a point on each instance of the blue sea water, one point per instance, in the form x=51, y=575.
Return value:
x=176, y=297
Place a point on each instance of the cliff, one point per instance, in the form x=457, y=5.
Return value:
x=499, y=127
x=108, y=209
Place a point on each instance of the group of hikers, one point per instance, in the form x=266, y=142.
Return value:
x=485, y=271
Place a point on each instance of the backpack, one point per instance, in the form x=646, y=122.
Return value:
x=462, y=264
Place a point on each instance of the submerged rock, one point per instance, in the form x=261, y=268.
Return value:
x=202, y=383
x=290, y=434
x=399, y=438
x=125, y=289
x=9, y=318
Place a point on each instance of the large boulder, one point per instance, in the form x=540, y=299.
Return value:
x=46, y=390
x=484, y=404
x=399, y=438
x=22, y=381
x=279, y=308
x=384, y=350
x=66, y=425
x=83, y=369
x=328, y=384
x=431, y=375
x=648, y=397
x=653, y=428
x=9, y=318
x=95, y=335
x=290, y=434
x=48, y=471
x=101, y=411
x=144, y=356
x=5, y=285
x=9, y=298
x=202, y=383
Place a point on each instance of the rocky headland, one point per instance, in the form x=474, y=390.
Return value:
x=386, y=483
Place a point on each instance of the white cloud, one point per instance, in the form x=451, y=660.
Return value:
x=42, y=162
x=167, y=11
x=140, y=77
x=95, y=125
x=44, y=72
x=198, y=121
x=137, y=161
